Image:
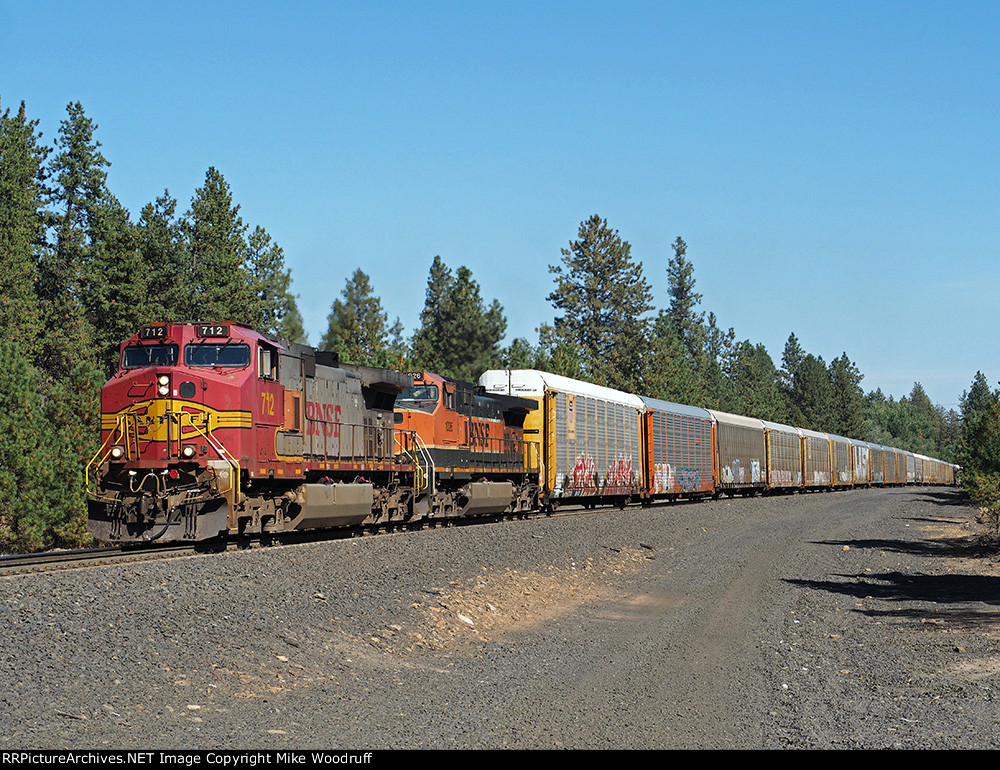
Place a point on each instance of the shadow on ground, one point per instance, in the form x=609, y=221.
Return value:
x=944, y=597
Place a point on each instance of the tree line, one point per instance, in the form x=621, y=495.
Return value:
x=81, y=274
x=607, y=330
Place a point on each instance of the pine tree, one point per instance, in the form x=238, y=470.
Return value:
x=557, y=355
x=519, y=354
x=705, y=348
x=113, y=282
x=720, y=350
x=812, y=396
x=688, y=323
x=72, y=411
x=270, y=286
x=458, y=336
x=292, y=328
x=216, y=243
x=605, y=301
x=358, y=327
x=791, y=360
x=848, y=405
x=41, y=479
x=166, y=260
x=23, y=194
x=979, y=451
x=431, y=336
x=79, y=172
x=754, y=381
x=669, y=375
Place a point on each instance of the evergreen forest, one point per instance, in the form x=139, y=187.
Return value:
x=81, y=273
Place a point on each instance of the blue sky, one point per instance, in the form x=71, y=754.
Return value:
x=832, y=166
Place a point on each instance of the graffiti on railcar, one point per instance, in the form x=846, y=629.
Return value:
x=688, y=479
x=620, y=473
x=663, y=478
x=821, y=478
x=668, y=479
x=584, y=474
x=782, y=476
x=735, y=473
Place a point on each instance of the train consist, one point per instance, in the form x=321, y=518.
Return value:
x=214, y=429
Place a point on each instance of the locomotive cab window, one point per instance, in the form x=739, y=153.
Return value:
x=267, y=363
x=422, y=398
x=223, y=355
x=141, y=356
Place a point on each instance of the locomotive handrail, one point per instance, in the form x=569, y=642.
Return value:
x=430, y=463
x=368, y=445
x=539, y=463
x=122, y=424
x=422, y=473
x=117, y=430
x=401, y=450
x=500, y=453
x=220, y=449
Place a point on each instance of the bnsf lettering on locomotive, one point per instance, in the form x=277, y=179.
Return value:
x=479, y=434
x=323, y=419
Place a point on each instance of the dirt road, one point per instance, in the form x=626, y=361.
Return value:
x=848, y=620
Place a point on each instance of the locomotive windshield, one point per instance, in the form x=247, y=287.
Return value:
x=140, y=356
x=420, y=397
x=217, y=355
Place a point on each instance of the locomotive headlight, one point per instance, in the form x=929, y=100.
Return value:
x=117, y=452
x=188, y=452
x=164, y=381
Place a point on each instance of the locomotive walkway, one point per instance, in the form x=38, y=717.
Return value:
x=862, y=619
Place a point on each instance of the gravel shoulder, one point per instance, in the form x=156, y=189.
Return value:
x=861, y=619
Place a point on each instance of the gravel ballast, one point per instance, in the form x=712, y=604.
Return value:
x=859, y=619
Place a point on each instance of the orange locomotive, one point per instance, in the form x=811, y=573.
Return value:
x=476, y=459
x=209, y=429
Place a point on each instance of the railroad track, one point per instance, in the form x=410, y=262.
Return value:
x=54, y=561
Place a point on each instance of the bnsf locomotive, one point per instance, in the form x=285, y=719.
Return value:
x=208, y=429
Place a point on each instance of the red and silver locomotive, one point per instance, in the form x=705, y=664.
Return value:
x=209, y=429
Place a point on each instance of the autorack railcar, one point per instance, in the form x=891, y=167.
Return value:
x=679, y=450
x=741, y=454
x=589, y=436
x=817, y=459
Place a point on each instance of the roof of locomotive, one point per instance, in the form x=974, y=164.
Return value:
x=509, y=403
x=222, y=330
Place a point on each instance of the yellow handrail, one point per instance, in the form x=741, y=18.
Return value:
x=183, y=419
